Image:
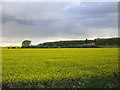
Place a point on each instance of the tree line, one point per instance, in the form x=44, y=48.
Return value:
x=96, y=43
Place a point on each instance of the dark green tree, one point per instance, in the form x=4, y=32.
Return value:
x=26, y=44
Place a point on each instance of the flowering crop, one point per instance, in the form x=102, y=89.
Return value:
x=35, y=65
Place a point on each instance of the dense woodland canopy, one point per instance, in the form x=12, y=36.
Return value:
x=79, y=43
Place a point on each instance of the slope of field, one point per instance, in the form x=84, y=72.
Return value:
x=65, y=67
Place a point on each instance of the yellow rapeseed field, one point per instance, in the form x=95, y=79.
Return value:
x=35, y=65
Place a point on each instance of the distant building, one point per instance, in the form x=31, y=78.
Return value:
x=92, y=43
x=89, y=44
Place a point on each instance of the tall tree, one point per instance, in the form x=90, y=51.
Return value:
x=86, y=41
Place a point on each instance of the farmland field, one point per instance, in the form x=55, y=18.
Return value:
x=60, y=68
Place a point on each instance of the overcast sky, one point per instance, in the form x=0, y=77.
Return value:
x=43, y=21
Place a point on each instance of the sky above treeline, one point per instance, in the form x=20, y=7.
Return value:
x=54, y=21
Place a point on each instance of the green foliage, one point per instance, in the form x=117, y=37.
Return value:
x=26, y=44
x=109, y=42
x=98, y=82
x=61, y=67
x=63, y=44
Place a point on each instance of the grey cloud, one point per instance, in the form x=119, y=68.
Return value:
x=25, y=13
x=97, y=15
x=94, y=8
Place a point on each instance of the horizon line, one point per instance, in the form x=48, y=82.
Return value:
x=18, y=44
